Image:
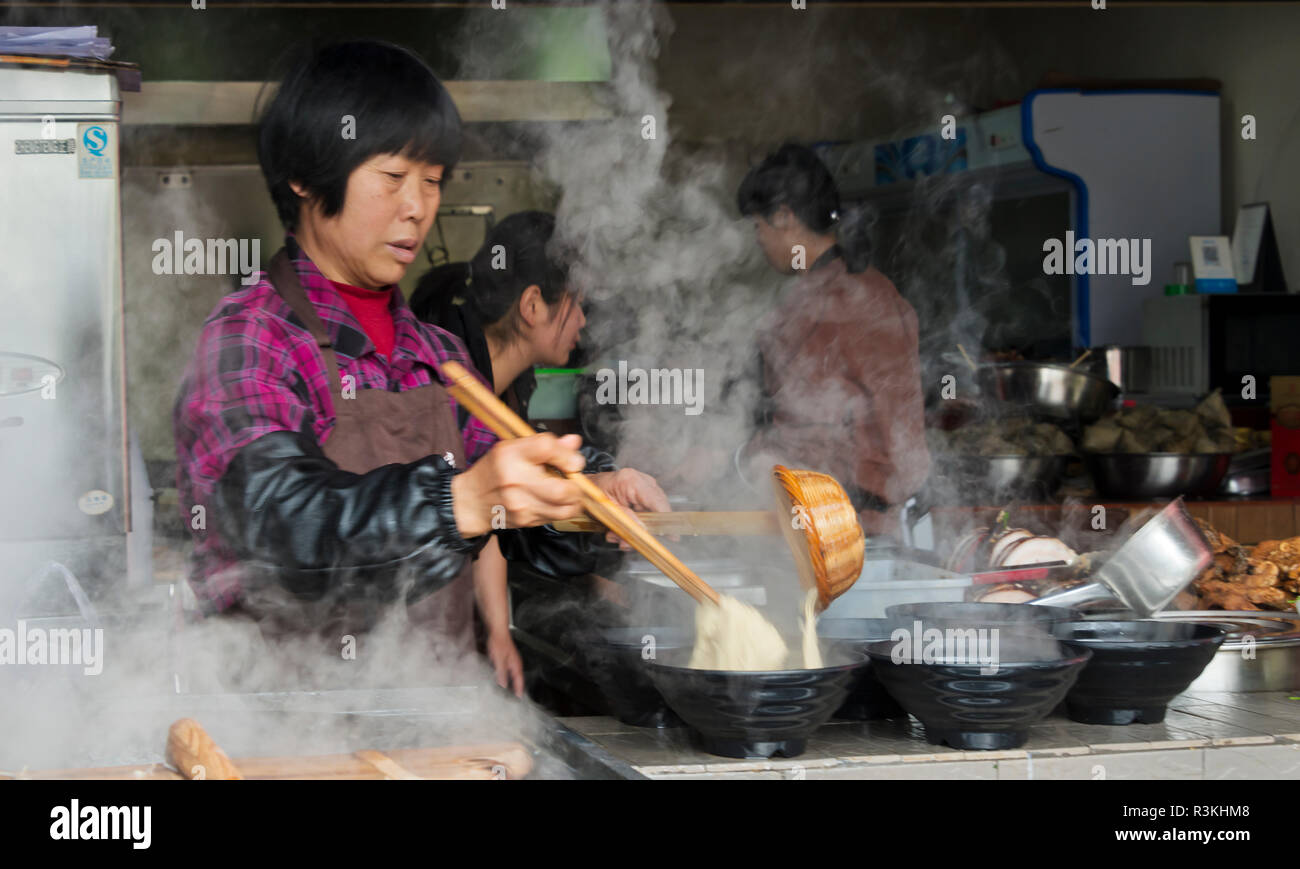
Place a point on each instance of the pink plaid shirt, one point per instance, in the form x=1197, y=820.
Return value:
x=257, y=370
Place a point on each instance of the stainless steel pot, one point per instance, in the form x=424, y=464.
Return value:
x=1138, y=476
x=1046, y=390
x=1249, y=473
x=1002, y=476
x=1127, y=367
x=1262, y=652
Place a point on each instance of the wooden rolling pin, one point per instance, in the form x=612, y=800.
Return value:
x=498, y=761
x=737, y=523
x=191, y=747
x=195, y=755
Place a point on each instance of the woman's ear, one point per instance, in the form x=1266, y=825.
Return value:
x=299, y=189
x=532, y=305
x=782, y=218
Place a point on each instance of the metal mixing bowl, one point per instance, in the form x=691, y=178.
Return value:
x=1002, y=476
x=1138, y=476
x=1048, y=391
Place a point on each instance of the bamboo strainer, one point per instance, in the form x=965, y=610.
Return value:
x=822, y=530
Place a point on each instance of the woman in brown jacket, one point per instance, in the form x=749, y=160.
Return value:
x=840, y=372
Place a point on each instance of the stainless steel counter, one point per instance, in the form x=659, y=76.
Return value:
x=1204, y=736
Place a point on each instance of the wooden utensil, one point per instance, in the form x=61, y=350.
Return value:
x=480, y=401
x=823, y=531
x=728, y=523
x=195, y=755
x=835, y=514
x=1082, y=356
x=189, y=747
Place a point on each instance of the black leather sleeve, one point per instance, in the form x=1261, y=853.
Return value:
x=560, y=554
x=283, y=505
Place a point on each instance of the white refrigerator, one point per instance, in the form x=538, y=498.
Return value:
x=64, y=499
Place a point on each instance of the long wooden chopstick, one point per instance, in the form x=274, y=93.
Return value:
x=730, y=523
x=480, y=401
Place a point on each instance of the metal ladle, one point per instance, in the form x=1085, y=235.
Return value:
x=1150, y=569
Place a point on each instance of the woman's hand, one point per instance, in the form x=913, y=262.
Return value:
x=634, y=490
x=494, y=606
x=506, y=663
x=511, y=486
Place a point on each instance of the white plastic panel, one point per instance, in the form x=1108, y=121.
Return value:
x=1150, y=165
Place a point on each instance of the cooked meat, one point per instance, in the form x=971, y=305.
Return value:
x=1037, y=550
x=1273, y=598
x=1225, y=596
x=1265, y=548
x=1210, y=574
x=962, y=558
x=1007, y=592
x=1225, y=562
x=1219, y=542
x=1005, y=542
x=1239, y=577
x=1261, y=574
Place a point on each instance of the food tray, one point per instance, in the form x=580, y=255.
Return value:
x=888, y=581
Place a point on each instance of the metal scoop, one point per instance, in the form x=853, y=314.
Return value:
x=1150, y=569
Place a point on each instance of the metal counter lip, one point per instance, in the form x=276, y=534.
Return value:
x=580, y=743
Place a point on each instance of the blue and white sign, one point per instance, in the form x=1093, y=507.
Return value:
x=96, y=151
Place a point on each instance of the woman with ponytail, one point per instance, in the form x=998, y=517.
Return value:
x=840, y=371
x=514, y=308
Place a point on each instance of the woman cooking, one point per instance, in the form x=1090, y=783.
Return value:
x=324, y=470
x=839, y=368
x=514, y=307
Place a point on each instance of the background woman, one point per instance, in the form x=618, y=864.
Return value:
x=840, y=372
x=515, y=309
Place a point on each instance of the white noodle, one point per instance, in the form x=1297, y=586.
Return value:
x=812, y=653
x=735, y=636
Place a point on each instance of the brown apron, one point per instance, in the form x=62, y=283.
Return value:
x=374, y=428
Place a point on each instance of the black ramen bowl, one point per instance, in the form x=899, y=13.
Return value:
x=867, y=700
x=760, y=713
x=617, y=661
x=972, y=706
x=1137, y=667
x=1017, y=617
